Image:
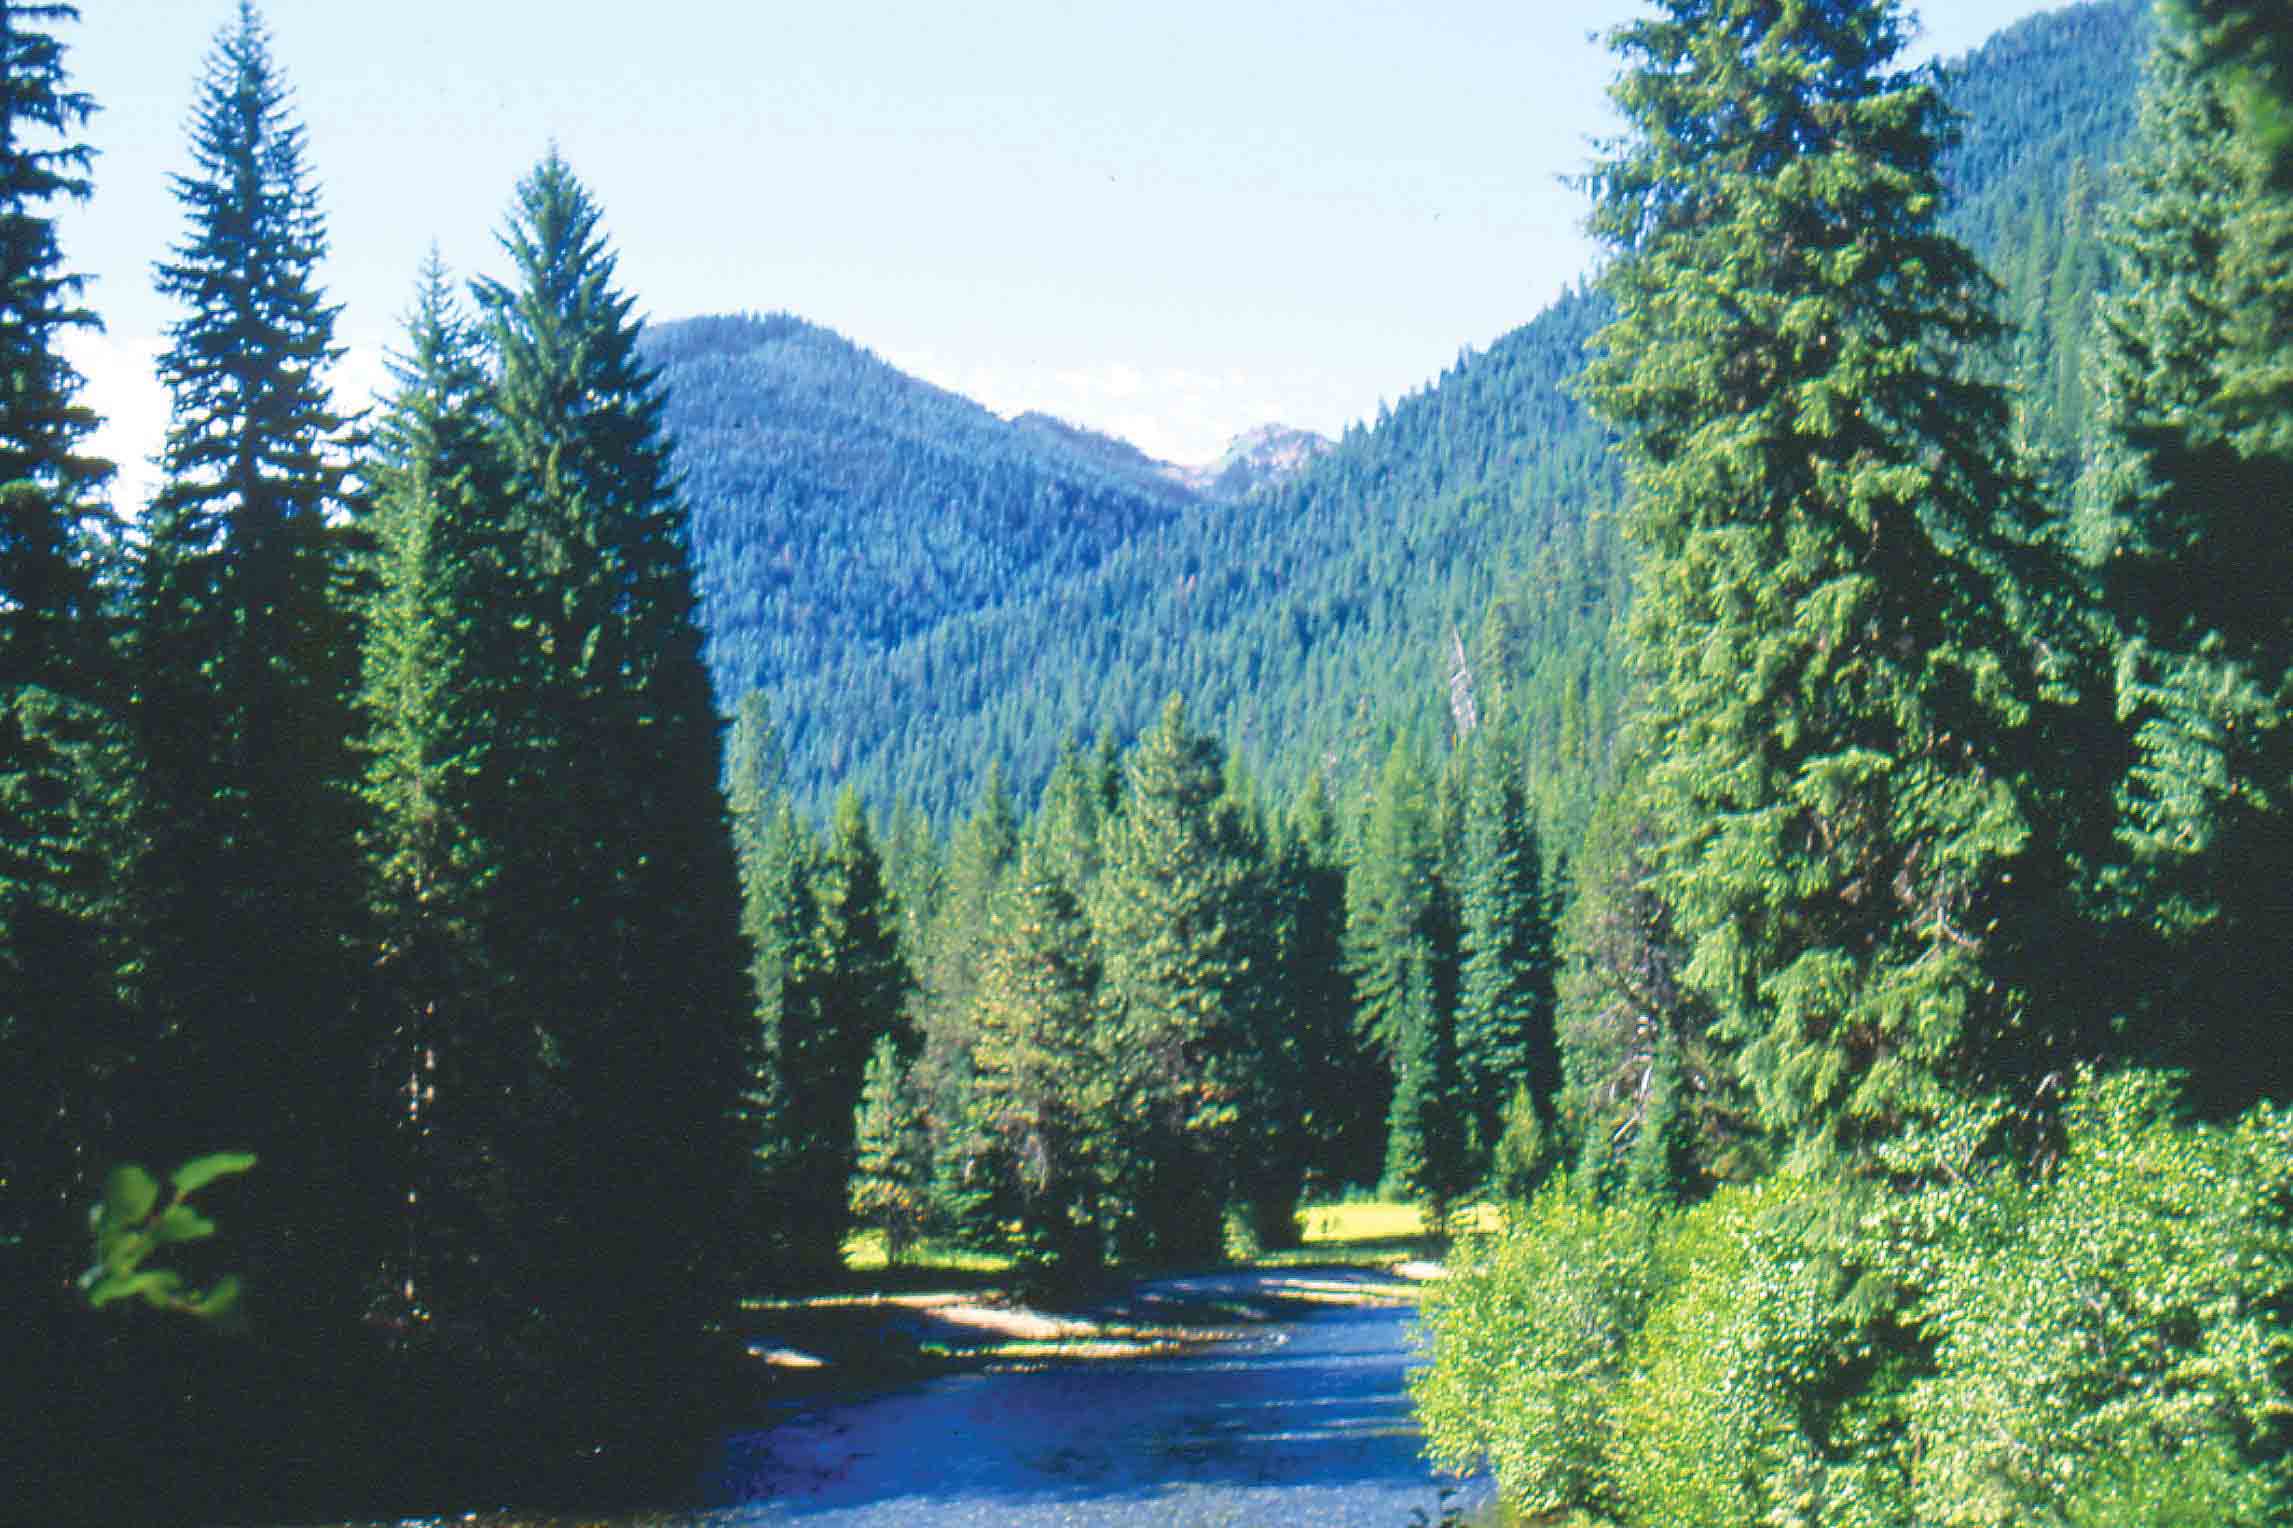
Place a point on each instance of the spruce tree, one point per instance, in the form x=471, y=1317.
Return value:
x=246, y=662
x=853, y=993
x=892, y=1166
x=62, y=1030
x=434, y=658
x=981, y=852
x=2182, y=515
x=1835, y=615
x=777, y=858
x=1045, y=1088
x=1344, y=1083
x=1505, y=996
x=614, y=894
x=1171, y=914
x=1400, y=951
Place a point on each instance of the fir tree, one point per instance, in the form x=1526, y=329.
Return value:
x=1342, y=1082
x=1834, y=620
x=777, y=859
x=854, y=993
x=892, y=1168
x=1067, y=827
x=614, y=895
x=246, y=653
x=1505, y=997
x=433, y=653
x=981, y=852
x=61, y=958
x=2181, y=513
x=1401, y=952
x=1171, y=914
x=1045, y=1079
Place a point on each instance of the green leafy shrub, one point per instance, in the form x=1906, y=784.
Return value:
x=1754, y=1392
x=2112, y=1343
x=1528, y=1338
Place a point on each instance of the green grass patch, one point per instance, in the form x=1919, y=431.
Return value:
x=864, y=1253
x=1374, y=1233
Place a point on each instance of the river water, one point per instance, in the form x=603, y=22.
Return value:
x=1304, y=1421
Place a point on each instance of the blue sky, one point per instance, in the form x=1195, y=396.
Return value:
x=1170, y=221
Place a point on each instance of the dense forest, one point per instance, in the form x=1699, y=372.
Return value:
x=1772, y=775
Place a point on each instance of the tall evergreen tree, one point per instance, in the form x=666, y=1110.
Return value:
x=1046, y=1080
x=1344, y=1083
x=1171, y=913
x=1273, y=1150
x=2182, y=515
x=61, y=959
x=777, y=859
x=1505, y=1035
x=981, y=852
x=246, y=663
x=853, y=993
x=892, y=1158
x=1401, y=952
x=615, y=894
x=433, y=659
x=1834, y=618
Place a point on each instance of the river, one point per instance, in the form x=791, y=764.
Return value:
x=1302, y=1421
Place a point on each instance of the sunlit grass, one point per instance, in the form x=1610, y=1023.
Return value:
x=864, y=1253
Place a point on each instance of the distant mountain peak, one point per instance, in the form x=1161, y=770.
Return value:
x=1263, y=457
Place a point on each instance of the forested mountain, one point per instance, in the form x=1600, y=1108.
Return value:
x=841, y=507
x=1287, y=617
x=1455, y=548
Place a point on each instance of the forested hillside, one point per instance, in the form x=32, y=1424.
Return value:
x=1308, y=624
x=841, y=507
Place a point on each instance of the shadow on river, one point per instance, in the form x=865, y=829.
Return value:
x=1302, y=1421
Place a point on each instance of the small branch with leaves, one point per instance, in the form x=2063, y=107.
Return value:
x=134, y=1220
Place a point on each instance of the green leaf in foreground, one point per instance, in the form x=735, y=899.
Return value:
x=197, y=1173
x=130, y=1193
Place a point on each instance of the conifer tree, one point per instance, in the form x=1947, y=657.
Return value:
x=981, y=851
x=1066, y=828
x=1045, y=1079
x=614, y=895
x=1505, y=999
x=777, y=858
x=1171, y=915
x=2182, y=514
x=246, y=661
x=892, y=1168
x=854, y=993
x=1834, y=621
x=1343, y=1082
x=61, y=957
x=433, y=654
x=1401, y=953
x=1274, y=1152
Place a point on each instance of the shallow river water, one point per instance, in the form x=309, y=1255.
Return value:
x=1305, y=1421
